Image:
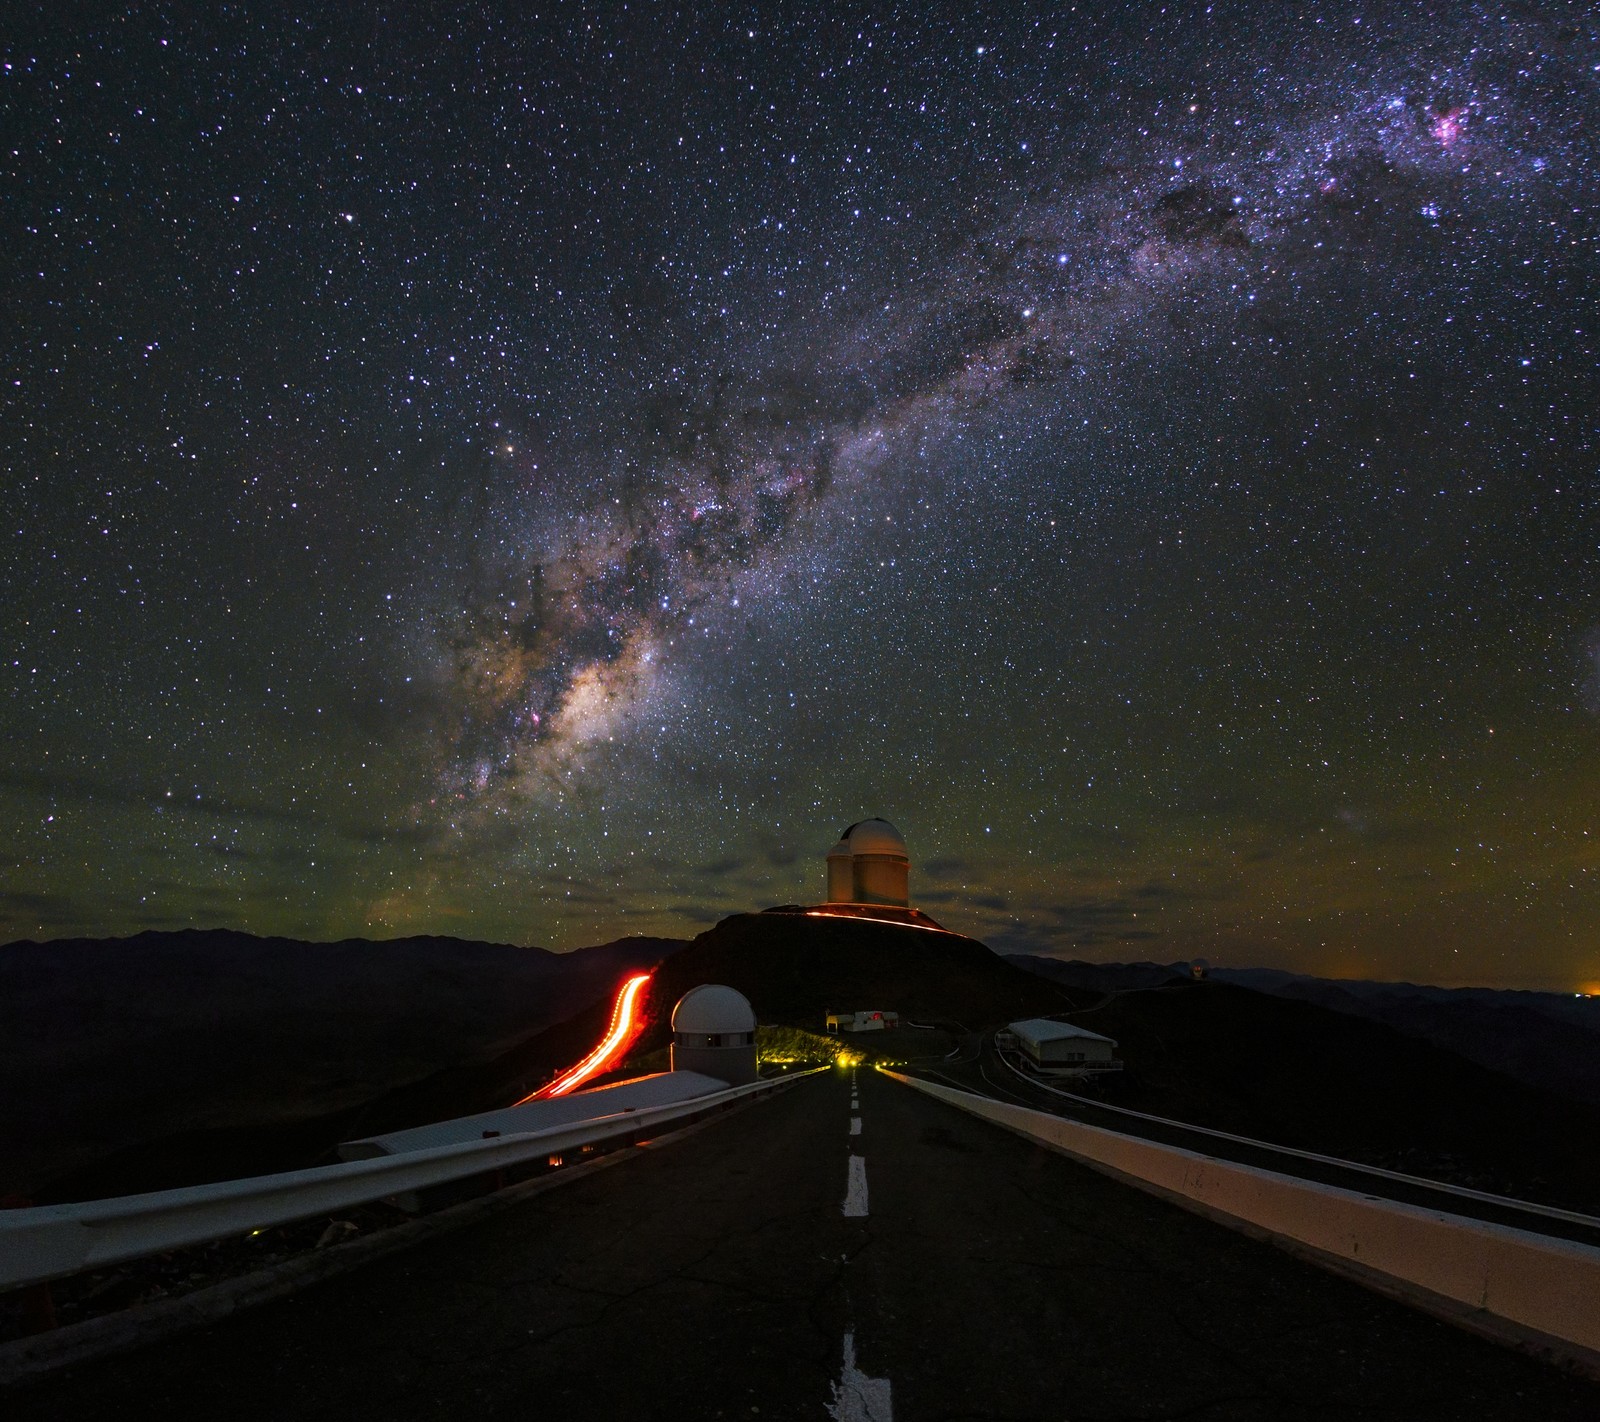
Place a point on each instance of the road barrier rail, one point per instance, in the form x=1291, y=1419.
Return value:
x=47, y=1242
x=1536, y=1292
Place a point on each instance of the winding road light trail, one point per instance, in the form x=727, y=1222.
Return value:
x=619, y=1036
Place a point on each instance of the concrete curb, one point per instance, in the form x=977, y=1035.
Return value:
x=1536, y=1293
x=27, y=1360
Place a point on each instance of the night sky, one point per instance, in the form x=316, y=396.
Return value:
x=538, y=477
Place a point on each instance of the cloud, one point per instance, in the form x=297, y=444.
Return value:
x=697, y=913
x=40, y=909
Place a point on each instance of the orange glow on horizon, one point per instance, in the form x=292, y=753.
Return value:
x=619, y=1036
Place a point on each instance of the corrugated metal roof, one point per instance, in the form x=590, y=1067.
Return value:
x=662, y=1089
x=1041, y=1029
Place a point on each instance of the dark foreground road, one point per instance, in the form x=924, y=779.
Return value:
x=722, y=1277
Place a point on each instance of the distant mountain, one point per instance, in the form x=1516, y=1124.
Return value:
x=1549, y=1040
x=171, y=1059
x=107, y=1045
x=1099, y=977
x=176, y=1058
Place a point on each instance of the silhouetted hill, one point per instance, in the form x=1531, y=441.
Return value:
x=796, y=967
x=1548, y=1040
x=1099, y=977
x=458, y=1046
x=170, y=1057
x=1299, y=1074
x=174, y=1058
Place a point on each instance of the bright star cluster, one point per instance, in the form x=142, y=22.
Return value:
x=537, y=476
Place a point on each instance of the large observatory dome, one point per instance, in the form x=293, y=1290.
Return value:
x=713, y=1009
x=874, y=837
x=869, y=865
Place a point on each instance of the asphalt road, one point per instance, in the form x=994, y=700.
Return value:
x=975, y=1276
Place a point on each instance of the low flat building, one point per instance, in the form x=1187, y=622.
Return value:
x=1060, y=1047
x=865, y=1020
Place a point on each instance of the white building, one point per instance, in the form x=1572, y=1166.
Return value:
x=1060, y=1047
x=714, y=1033
x=869, y=865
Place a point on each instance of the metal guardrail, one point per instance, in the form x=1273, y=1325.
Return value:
x=53, y=1241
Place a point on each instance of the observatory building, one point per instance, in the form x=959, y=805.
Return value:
x=869, y=865
x=714, y=1033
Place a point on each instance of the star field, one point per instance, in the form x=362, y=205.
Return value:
x=537, y=476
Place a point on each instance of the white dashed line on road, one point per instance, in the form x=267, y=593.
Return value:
x=855, y=1193
x=855, y=1125
x=856, y=1397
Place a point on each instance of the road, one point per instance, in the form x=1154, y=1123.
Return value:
x=786, y=1263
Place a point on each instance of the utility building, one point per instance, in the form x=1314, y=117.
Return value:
x=714, y=1033
x=869, y=865
x=1060, y=1048
x=863, y=1021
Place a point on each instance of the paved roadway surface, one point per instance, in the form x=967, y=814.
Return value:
x=721, y=1277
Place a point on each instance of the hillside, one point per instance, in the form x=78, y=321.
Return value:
x=1548, y=1040
x=166, y=1054
x=795, y=968
x=1299, y=1074
x=175, y=1058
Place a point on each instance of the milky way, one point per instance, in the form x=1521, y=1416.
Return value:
x=539, y=477
x=731, y=472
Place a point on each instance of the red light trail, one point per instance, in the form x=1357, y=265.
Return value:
x=895, y=922
x=624, y=1028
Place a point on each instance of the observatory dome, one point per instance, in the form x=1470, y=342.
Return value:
x=713, y=1009
x=875, y=837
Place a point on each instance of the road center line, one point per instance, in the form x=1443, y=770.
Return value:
x=856, y=1397
x=855, y=1125
x=855, y=1192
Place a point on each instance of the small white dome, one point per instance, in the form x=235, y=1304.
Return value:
x=840, y=851
x=875, y=837
x=713, y=1008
